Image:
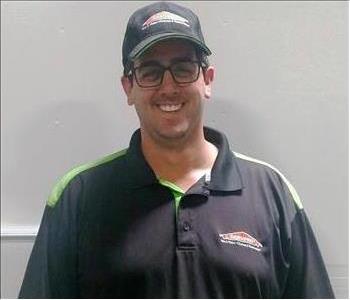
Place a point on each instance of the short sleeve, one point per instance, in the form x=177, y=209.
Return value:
x=52, y=267
x=307, y=276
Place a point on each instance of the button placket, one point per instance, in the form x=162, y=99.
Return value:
x=186, y=226
x=185, y=234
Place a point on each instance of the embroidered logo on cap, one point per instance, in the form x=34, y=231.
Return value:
x=241, y=239
x=164, y=17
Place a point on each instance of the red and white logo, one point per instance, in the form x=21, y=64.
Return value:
x=241, y=239
x=164, y=17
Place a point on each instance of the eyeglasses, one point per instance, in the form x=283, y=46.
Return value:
x=152, y=74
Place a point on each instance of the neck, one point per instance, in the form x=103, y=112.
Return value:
x=182, y=163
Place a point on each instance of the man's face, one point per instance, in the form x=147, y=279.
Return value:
x=170, y=112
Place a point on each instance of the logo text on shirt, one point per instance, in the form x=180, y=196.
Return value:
x=241, y=239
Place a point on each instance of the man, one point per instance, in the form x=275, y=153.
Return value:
x=177, y=214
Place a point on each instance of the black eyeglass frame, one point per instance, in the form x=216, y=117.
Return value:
x=201, y=65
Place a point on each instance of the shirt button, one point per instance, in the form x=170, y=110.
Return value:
x=186, y=226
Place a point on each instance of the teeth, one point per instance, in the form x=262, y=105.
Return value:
x=170, y=107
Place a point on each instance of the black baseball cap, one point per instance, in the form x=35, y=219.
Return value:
x=158, y=22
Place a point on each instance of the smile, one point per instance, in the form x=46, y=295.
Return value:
x=170, y=107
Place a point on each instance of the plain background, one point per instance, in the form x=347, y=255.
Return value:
x=280, y=95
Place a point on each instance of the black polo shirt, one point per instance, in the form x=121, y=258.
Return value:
x=110, y=230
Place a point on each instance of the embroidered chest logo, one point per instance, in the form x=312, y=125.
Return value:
x=241, y=239
x=164, y=17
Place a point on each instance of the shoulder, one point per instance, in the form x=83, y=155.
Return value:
x=88, y=170
x=253, y=169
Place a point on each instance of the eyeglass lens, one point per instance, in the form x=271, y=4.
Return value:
x=152, y=75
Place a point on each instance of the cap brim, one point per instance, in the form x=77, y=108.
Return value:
x=149, y=42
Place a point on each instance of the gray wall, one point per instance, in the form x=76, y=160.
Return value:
x=280, y=95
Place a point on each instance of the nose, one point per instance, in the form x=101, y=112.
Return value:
x=168, y=84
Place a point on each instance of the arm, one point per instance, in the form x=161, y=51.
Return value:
x=307, y=276
x=51, y=270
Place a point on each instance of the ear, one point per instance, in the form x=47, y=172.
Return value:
x=208, y=80
x=127, y=86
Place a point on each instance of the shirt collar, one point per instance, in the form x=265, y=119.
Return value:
x=225, y=175
x=138, y=170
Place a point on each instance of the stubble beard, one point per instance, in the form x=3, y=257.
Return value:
x=176, y=135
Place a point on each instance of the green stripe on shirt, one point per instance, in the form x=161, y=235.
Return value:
x=63, y=182
x=177, y=191
x=291, y=188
